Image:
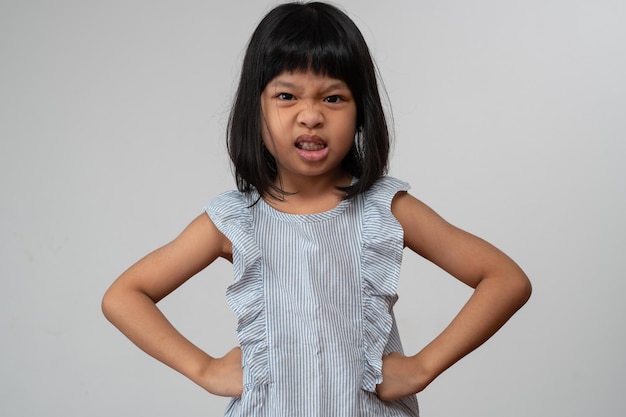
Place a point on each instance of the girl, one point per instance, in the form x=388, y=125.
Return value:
x=315, y=233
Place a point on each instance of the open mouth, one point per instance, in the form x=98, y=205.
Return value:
x=311, y=147
x=310, y=143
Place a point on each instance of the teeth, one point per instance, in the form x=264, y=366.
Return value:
x=310, y=146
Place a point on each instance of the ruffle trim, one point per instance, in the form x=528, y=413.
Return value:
x=231, y=214
x=383, y=243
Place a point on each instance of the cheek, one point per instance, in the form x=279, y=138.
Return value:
x=276, y=127
x=353, y=117
x=350, y=126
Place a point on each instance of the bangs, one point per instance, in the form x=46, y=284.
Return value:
x=310, y=41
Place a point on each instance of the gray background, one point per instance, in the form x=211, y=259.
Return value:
x=510, y=122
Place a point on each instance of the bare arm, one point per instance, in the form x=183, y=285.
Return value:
x=130, y=304
x=500, y=289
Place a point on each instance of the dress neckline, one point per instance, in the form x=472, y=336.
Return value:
x=303, y=218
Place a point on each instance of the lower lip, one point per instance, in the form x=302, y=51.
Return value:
x=313, y=155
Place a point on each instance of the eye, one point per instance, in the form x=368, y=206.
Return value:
x=333, y=99
x=285, y=96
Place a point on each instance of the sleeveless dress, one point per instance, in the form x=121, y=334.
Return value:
x=313, y=295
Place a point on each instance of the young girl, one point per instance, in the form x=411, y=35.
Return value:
x=315, y=233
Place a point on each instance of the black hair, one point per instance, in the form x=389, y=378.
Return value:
x=303, y=37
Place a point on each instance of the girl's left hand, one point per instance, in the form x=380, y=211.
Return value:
x=225, y=375
x=401, y=377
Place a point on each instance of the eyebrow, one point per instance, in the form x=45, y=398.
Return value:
x=336, y=85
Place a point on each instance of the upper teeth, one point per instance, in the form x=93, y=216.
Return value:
x=310, y=146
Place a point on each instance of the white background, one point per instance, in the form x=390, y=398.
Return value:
x=510, y=121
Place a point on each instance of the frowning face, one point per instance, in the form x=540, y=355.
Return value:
x=310, y=123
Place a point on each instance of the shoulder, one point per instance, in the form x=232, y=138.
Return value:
x=389, y=184
x=385, y=189
x=230, y=206
x=229, y=201
x=232, y=214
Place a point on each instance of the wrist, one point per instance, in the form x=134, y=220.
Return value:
x=423, y=371
x=200, y=369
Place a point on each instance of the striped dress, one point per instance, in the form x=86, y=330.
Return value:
x=313, y=295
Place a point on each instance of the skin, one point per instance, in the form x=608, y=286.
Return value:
x=500, y=289
x=296, y=104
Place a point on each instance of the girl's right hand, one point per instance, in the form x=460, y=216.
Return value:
x=225, y=375
x=401, y=377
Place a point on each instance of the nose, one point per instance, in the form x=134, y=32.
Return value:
x=310, y=116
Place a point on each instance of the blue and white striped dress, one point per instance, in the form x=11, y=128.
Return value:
x=313, y=295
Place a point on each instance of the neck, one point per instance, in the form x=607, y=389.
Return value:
x=308, y=195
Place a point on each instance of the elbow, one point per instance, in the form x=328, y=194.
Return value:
x=106, y=304
x=511, y=287
x=522, y=288
x=110, y=304
x=529, y=290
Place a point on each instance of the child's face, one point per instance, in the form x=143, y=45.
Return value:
x=310, y=123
